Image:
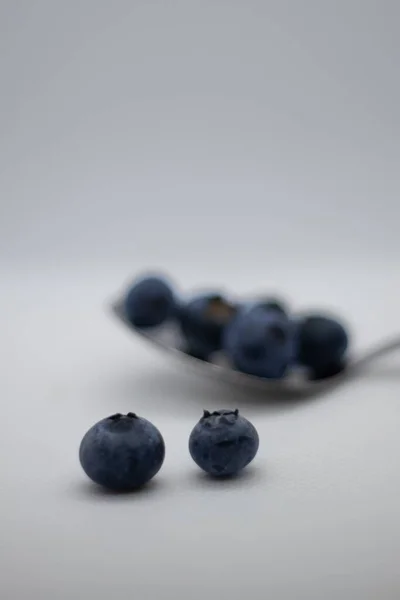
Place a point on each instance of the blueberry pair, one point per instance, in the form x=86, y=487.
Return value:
x=123, y=452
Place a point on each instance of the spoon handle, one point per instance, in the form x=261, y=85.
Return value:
x=377, y=351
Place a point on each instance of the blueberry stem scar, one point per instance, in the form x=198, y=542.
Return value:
x=119, y=416
x=217, y=413
x=115, y=417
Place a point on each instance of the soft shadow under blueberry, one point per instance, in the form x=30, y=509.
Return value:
x=246, y=477
x=90, y=492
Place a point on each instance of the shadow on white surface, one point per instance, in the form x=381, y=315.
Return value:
x=86, y=490
x=249, y=476
x=165, y=390
x=195, y=479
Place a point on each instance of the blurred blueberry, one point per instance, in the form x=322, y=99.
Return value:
x=260, y=343
x=223, y=442
x=122, y=452
x=321, y=345
x=149, y=302
x=203, y=320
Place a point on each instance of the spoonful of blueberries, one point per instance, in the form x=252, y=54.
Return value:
x=254, y=342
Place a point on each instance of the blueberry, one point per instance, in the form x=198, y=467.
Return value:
x=202, y=321
x=149, y=302
x=223, y=442
x=122, y=452
x=321, y=345
x=261, y=343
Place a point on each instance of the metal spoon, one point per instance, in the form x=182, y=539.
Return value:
x=167, y=338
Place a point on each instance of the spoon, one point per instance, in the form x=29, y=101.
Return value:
x=167, y=338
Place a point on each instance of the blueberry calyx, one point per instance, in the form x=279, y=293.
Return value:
x=115, y=417
x=119, y=416
x=218, y=413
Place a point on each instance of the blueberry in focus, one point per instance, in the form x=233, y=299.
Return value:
x=260, y=343
x=202, y=321
x=223, y=442
x=321, y=345
x=149, y=302
x=122, y=452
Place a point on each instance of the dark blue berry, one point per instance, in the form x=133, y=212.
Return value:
x=203, y=321
x=223, y=442
x=261, y=343
x=122, y=452
x=149, y=302
x=321, y=345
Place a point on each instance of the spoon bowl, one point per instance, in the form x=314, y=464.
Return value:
x=167, y=338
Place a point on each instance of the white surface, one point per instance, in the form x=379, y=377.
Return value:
x=254, y=144
x=317, y=515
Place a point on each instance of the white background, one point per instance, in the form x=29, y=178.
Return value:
x=253, y=145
